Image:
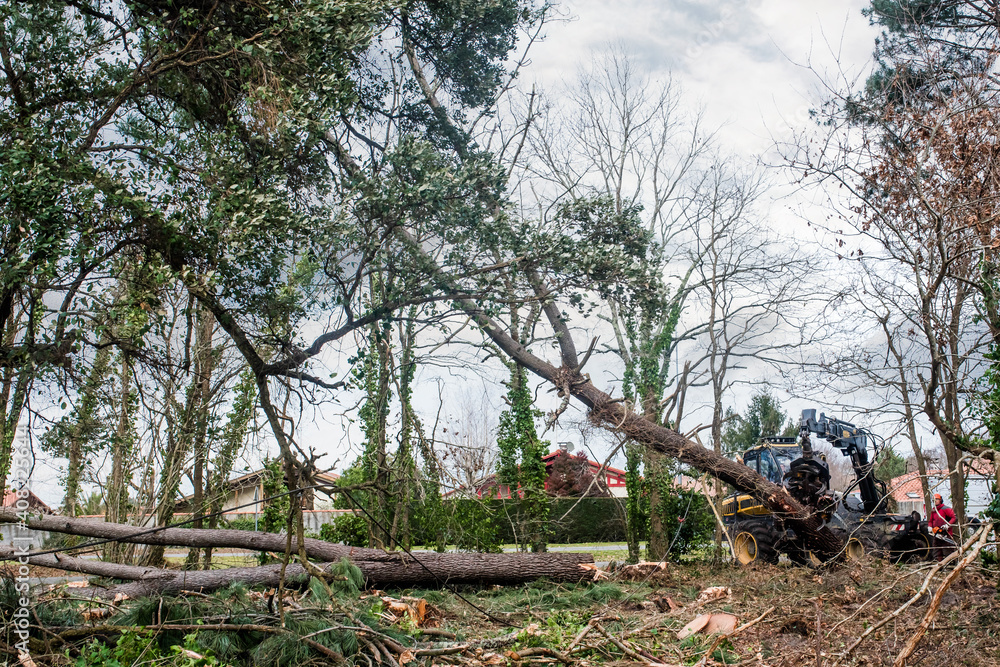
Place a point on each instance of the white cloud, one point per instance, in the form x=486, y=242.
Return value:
x=746, y=61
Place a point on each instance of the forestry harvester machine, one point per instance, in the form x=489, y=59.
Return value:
x=862, y=521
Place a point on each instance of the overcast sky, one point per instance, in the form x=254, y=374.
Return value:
x=747, y=62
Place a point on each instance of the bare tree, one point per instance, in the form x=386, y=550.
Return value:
x=467, y=442
x=919, y=229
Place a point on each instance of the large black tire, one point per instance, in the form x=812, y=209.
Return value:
x=753, y=542
x=874, y=540
x=916, y=547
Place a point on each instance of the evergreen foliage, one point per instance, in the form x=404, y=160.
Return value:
x=274, y=515
x=927, y=47
x=521, y=469
x=637, y=502
x=764, y=418
x=687, y=520
x=889, y=465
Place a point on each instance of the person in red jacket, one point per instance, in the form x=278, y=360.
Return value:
x=941, y=520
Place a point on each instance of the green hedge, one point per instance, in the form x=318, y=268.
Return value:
x=588, y=520
x=483, y=525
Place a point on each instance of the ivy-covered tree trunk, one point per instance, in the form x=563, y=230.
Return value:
x=658, y=484
x=406, y=467
x=374, y=414
x=276, y=505
x=123, y=439
x=636, y=520
x=200, y=416
x=646, y=352
x=521, y=470
x=77, y=435
x=535, y=502
x=15, y=384
x=187, y=424
x=174, y=456
x=241, y=417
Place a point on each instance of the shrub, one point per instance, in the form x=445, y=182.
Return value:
x=687, y=520
x=349, y=529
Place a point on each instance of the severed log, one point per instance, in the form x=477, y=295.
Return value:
x=151, y=580
x=481, y=569
x=380, y=568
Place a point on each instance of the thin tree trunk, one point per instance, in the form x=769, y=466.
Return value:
x=240, y=418
x=16, y=384
x=116, y=491
x=911, y=428
x=204, y=367
x=657, y=474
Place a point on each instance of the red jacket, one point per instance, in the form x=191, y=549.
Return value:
x=941, y=516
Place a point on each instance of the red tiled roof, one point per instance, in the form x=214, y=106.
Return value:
x=34, y=502
x=903, y=485
x=594, y=465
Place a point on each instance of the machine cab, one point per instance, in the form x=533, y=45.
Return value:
x=773, y=458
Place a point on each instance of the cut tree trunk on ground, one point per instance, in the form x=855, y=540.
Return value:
x=480, y=569
x=153, y=581
x=380, y=568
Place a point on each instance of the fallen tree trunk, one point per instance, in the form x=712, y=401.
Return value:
x=616, y=416
x=380, y=568
x=151, y=580
x=193, y=537
x=482, y=569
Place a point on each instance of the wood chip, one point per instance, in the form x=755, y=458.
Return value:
x=709, y=624
x=714, y=593
x=721, y=623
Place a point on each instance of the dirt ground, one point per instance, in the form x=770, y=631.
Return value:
x=810, y=617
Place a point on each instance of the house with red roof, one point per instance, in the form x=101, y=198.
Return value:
x=35, y=504
x=909, y=497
